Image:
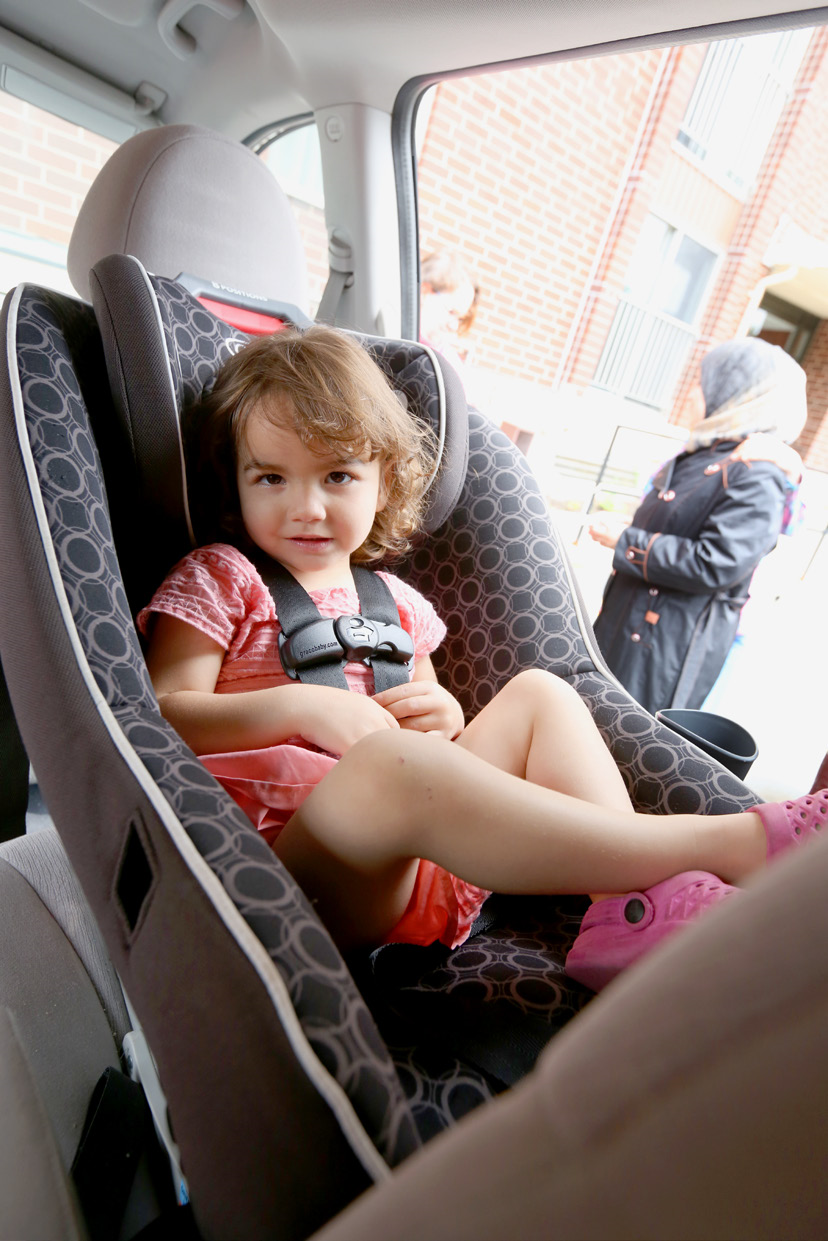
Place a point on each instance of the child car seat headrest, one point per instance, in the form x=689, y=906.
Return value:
x=185, y=199
x=162, y=350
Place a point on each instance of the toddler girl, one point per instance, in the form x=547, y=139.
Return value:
x=396, y=817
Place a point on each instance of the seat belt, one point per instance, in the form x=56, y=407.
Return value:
x=340, y=277
x=314, y=649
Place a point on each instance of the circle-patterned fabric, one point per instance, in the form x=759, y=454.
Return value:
x=331, y=1010
x=497, y=574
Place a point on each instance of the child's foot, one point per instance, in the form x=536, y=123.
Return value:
x=789, y=823
x=617, y=931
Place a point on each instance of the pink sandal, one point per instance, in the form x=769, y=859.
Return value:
x=789, y=823
x=617, y=931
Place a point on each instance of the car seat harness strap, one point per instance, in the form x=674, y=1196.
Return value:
x=315, y=648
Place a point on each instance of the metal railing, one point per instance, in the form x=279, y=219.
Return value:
x=738, y=99
x=644, y=354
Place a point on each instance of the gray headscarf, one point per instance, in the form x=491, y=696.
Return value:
x=750, y=386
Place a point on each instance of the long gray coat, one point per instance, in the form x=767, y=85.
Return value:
x=681, y=574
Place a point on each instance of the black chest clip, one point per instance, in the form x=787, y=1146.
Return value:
x=343, y=640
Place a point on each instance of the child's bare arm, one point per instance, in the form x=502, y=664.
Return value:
x=184, y=665
x=423, y=704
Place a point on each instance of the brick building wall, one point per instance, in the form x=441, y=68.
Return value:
x=541, y=180
x=792, y=183
x=672, y=83
x=518, y=173
x=46, y=169
x=314, y=234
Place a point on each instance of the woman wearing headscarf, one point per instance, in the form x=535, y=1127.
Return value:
x=682, y=569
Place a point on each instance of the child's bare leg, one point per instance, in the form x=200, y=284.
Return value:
x=397, y=796
x=359, y=891
x=539, y=728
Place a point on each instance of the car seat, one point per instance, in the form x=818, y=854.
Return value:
x=243, y=995
x=240, y=990
x=492, y=597
x=506, y=611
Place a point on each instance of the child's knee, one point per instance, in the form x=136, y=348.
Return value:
x=391, y=758
x=533, y=682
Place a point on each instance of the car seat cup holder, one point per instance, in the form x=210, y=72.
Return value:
x=717, y=735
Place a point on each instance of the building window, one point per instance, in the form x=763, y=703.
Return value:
x=738, y=99
x=669, y=271
x=654, y=326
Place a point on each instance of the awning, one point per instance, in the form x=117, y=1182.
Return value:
x=795, y=251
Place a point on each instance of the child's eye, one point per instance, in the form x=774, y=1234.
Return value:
x=340, y=478
x=269, y=480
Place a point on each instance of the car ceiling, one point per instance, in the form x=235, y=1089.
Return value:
x=276, y=58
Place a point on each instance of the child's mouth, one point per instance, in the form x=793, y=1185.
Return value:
x=311, y=542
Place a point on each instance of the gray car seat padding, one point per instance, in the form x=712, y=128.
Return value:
x=36, y=1195
x=144, y=447
x=496, y=570
x=688, y=1100
x=174, y=194
x=58, y=1014
x=494, y=565
x=162, y=351
x=241, y=993
x=41, y=859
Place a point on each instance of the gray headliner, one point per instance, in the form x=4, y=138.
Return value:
x=280, y=57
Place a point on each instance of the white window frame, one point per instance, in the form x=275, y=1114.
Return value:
x=738, y=98
x=646, y=349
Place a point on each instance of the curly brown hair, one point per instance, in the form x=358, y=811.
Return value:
x=336, y=398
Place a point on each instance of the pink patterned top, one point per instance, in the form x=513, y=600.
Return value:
x=218, y=591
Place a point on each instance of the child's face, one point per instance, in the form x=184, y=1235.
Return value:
x=310, y=512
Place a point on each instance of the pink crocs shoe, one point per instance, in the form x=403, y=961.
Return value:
x=617, y=931
x=789, y=823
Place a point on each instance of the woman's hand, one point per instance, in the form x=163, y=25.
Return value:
x=336, y=719
x=425, y=707
x=607, y=530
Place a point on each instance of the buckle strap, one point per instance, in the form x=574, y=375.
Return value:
x=347, y=638
x=315, y=649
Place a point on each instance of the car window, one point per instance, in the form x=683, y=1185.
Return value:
x=611, y=218
x=295, y=161
x=46, y=167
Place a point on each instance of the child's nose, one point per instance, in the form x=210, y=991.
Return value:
x=308, y=504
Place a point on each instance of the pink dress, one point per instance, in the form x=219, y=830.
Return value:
x=218, y=591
